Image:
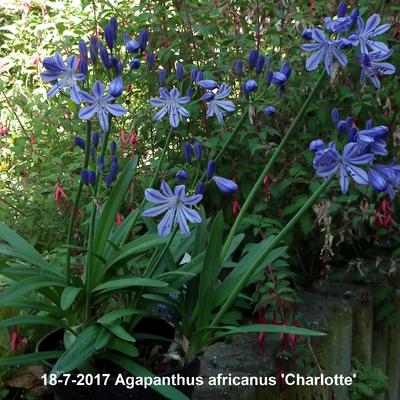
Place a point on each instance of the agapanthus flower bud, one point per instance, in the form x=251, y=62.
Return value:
x=114, y=170
x=239, y=67
x=132, y=46
x=342, y=9
x=114, y=25
x=286, y=69
x=179, y=71
x=335, y=115
x=83, y=66
x=244, y=90
x=211, y=168
x=208, y=96
x=162, y=76
x=108, y=181
x=198, y=150
x=135, y=63
x=199, y=76
x=150, y=60
x=85, y=176
x=268, y=77
x=253, y=57
x=92, y=178
x=369, y=124
x=118, y=66
x=95, y=139
x=80, y=142
x=100, y=163
x=94, y=49
x=352, y=136
x=316, y=145
x=207, y=84
x=105, y=58
x=349, y=123
x=200, y=188
x=193, y=74
x=189, y=92
x=278, y=78
x=143, y=38
x=113, y=147
x=187, y=152
x=116, y=87
x=269, y=110
x=341, y=126
x=114, y=160
x=92, y=152
x=307, y=34
x=182, y=175
x=109, y=36
x=260, y=64
x=225, y=185
x=251, y=85
x=355, y=12
x=83, y=50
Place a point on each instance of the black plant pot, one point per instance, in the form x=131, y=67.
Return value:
x=111, y=391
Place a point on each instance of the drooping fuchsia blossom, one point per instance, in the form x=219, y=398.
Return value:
x=59, y=194
x=16, y=340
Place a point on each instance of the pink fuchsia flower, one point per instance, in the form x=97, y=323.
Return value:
x=16, y=341
x=59, y=194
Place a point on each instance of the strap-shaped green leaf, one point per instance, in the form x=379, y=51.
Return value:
x=22, y=248
x=124, y=347
x=68, y=296
x=118, y=284
x=30, y=359
x=30, y=320
x=21, y=288
x=79, y=351
x=137, y=370
x=105, y=223
x=120, y=332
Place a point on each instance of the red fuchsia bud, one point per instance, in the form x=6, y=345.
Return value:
x=133, y=138
x=119, y=218
x=266, y=183
x=33, y=139
x=36, y=60
x=235, y=206
x=386, y=113
x=16, y=340
x=129, y=88
x=122, y=136
x=388, y=222
x=67, y=116
x=384, y=207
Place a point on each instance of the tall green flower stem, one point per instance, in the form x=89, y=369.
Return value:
x=269, y=165
x=277, y=239
x=75, y=206
x=93, y=212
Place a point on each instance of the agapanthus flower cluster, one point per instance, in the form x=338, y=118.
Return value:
x=345, y=33
x=358, y=159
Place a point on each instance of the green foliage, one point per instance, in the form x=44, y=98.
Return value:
x=370, y=382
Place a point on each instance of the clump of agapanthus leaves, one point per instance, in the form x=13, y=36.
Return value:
x=350, y=35
x=176, y=205
x=360, y=158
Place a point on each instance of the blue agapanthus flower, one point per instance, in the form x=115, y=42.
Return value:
x=176, y=206
x=324, y=49
x=367, y=32
x=385, y=178
x=100, y=104
x=372, y=140
x=216, y=105
x=372, y=66
x=63, y=75
x=328, y=162
x=171, y=103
